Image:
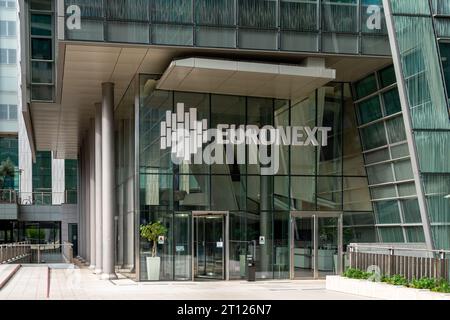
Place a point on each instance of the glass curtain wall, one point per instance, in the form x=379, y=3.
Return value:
x=330, y=178
x=424, y=72
x=71, y=181
x=42, y=178
x=125, y=178
x=387, y=158
x=336, y=26
x=42, y=34
x=9, y=153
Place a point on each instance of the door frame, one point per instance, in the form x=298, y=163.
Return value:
x=315, y=215
x=226, y=230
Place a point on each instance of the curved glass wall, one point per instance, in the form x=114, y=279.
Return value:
x=334, y=26
x=330, y=178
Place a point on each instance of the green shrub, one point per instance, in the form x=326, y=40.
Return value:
x=357, y=274
x=396, y=280
x=442, y=287
x=434, y=285
x=424, y=283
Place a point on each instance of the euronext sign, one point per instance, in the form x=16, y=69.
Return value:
x=192, y=142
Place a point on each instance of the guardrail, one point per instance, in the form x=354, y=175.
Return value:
x=36, y=253
x=38, y=198
x=412, y=263
x=13, y=252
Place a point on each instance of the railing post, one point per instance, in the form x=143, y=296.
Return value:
x=391, y=261
x=442, y=265
x=350, y=253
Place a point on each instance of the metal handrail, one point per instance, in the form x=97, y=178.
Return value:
x=356, y=246
x=11, y=196
x=16, y=251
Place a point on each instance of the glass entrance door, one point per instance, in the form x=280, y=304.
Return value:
x=316, y=244
x=210, y=246
x=303, y=247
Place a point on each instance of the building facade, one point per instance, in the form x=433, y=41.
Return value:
x=39, y=192
x=276, y=131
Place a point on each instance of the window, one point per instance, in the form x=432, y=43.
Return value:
x=387, y=76
x=369, y=110
x=445, y=56
x=8, y=112
x=42, y=50
x=8, y=4
x=3, y=28
x=7, y=28
x=8, y=56
x=41, y=25
x=3, y=56
x=3, y=112
x=42, y=178
x=71, y=180
x=12, y=58
x=9, y=150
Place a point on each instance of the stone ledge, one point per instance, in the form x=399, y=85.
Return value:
x=382, y=291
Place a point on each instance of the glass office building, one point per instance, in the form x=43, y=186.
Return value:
x=117, y=80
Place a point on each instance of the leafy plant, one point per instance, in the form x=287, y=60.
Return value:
x=442, y=287
x=357, y=274
x=151, y=232
x=432, y=284
x=424, y=283
x=396, y=280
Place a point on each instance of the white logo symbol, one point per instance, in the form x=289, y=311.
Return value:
x=183, y=133
x=74, y=19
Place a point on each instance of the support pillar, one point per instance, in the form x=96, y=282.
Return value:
x=108, y=181
x=98, y=190
x=86, y=203
x=91, y=146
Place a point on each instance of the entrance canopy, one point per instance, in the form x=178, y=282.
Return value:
x=267, y=80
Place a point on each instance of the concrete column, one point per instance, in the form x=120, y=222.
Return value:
x=108, y=181
x=98, y=190
x=92, y=221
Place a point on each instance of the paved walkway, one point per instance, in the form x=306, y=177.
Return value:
x=30, y=283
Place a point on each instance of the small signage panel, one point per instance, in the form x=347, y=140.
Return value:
x=161, y=240
x=262, y=240
x=220, y=244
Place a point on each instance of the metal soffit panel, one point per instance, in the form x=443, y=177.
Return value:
x=61, y=127
x=245, y=78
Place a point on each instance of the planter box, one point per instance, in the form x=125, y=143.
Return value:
x=153, y=268
x=380, y=290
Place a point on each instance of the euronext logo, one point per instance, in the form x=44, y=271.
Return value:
x=192, y=142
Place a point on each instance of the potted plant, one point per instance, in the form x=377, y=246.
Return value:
x=151, y=232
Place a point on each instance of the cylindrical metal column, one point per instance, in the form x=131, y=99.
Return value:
x=108, y=181
x=91, y=145
x=86, y=202
x=98, y=189
x=81, y=205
